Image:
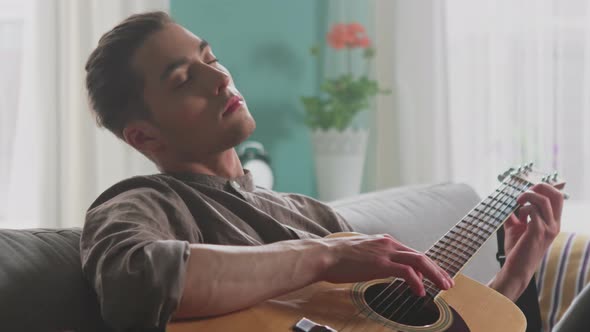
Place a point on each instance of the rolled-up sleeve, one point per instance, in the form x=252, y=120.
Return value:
x=133, y=260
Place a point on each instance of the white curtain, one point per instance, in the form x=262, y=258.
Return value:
x=12, y=23
x=518, y=83
x=71, y=161
x=412, y=122
x=482, y=85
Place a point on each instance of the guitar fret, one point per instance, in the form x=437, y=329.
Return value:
x=507, y=199
x=513, y=187
x=450, y=263
x=467, y=238
x=454, y=246
x=483, y=212
x=471, y=232
x=503, y=194
x=487, y=214
x=452, y=252
x=499, y=218
x=501, y=214
x=477, y=223
x=446, y=253
x=491, y=207
x=460, y=237
x=443, y=259
x=483, y=221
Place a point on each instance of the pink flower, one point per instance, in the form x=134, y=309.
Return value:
x=338, y=36
x=364, y=42
x=351, y=35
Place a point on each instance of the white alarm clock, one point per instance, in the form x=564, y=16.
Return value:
x=255, y=159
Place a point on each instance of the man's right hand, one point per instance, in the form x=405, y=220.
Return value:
x=220, y=279
x=368, y=257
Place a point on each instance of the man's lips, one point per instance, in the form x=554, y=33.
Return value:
x=233, y=104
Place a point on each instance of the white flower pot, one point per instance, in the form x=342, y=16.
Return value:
x=339, y=161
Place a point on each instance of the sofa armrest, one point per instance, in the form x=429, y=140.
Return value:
x=562, y=276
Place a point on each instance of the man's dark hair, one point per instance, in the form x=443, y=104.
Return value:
x=115, y=89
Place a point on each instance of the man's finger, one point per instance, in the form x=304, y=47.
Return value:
x=554, y=195
x=424, y=265
x=410, y=276
x=532, y=211
x=541, y=202
x=513, y=220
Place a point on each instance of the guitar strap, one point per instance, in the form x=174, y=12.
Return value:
x=528, y=302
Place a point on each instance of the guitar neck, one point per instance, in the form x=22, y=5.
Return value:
x=454, y=250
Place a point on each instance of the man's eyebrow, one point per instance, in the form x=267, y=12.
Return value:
x=203, y=45
x=180, y=62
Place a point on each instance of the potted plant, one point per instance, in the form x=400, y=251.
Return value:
x=339, y=149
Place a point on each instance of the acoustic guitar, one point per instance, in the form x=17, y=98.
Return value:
x=388, y=304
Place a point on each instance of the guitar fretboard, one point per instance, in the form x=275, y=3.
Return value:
x=465, y=239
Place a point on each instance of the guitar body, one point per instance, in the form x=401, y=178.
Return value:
x=473, y=307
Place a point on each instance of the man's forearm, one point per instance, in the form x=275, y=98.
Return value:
x=512, y=288
x=513, y=278
x=221, y=279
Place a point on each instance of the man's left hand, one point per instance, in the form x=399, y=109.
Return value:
x=529, y=233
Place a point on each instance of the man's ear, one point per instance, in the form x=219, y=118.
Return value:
x=144, y=137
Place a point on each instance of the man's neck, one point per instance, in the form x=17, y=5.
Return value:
x=225, y=164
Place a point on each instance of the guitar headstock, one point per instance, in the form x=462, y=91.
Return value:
x=528, y=174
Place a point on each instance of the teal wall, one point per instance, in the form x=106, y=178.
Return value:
x=265, y=45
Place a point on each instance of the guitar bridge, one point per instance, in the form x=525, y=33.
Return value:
x=306, y=325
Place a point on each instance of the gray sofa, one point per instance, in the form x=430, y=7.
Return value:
x=42, y=287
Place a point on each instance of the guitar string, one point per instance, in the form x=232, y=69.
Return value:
x=368, y=308
x=505, y=207
x=502, y=203
x=410, y=309
x=491, y=204
x=451, y=269
x=383, y=291
x=405, y=290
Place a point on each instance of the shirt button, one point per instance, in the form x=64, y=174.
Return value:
x=235, y=184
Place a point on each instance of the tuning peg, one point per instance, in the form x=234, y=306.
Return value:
x=530, y=165
x=554, y=176
x=502, y=176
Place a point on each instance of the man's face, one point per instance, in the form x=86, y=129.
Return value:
x=187, y=93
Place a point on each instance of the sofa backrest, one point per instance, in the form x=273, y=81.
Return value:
x=418, y=216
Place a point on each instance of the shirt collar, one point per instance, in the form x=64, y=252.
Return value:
x=245, y=181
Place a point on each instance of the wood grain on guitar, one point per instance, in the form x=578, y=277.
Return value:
x=388, y=305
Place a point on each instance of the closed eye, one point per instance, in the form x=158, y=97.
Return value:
x=189, y=77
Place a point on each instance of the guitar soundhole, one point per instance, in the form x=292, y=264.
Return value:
x=397, y=303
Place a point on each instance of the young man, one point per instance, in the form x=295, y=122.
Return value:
x=199, y=239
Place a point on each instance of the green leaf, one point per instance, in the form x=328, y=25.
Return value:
x=340, y=100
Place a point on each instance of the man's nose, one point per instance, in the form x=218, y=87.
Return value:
x=222, y=84
x=216, y=80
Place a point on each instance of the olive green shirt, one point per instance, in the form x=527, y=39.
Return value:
x=135, y=241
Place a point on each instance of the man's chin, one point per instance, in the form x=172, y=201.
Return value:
x=244, y=133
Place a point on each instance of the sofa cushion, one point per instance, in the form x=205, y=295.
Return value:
x=41, y=279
